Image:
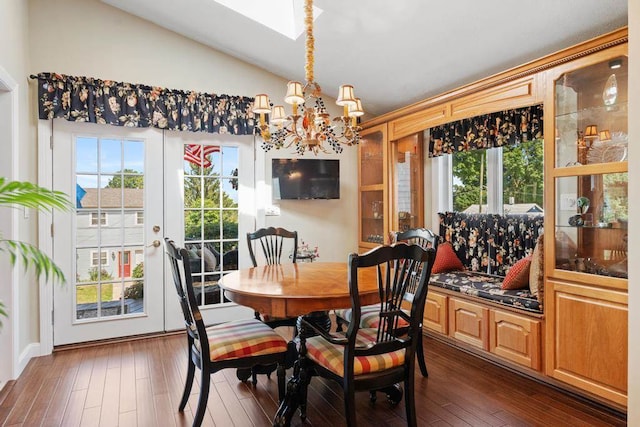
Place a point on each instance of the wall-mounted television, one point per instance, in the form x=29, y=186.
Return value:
x=301, y=179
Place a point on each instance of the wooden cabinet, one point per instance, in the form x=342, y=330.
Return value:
x=515, y=338
x=587, y=328
x=586, y=207
x=372, y=188
x=435, y=312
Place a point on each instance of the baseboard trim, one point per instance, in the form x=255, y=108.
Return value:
x=32, y=350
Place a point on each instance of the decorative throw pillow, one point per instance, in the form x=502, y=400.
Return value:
x=446, y=259
x=518, y=275
x=536, y=273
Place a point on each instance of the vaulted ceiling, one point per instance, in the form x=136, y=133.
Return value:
x=394, y=52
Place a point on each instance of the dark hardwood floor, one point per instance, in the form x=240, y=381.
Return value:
x=139, y=383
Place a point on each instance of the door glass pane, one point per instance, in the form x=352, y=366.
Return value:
x=592, y=224
x=211, y=216
x=109, y=235
x=591, y=114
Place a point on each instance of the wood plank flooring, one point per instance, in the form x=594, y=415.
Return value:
x=139, y=383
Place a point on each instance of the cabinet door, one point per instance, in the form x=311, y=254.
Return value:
x=588, y=332
x=407, y=183
x=588, y=164
x=468, y=322
x=372, y=173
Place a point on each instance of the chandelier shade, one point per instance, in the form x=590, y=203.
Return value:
x=309, y=127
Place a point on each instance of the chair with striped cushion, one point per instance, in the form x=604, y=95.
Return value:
x=236, y=344
x=417, y=236
x=374, y=358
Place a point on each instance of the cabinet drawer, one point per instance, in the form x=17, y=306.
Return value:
x=515, y=338
x=468, y=322
x=435, y=312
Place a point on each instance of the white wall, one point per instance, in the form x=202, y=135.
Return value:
x=634, y=213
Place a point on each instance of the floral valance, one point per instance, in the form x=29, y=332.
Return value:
x=489, y=130
x=87, y=99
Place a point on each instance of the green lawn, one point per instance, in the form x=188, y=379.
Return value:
x=89, y=293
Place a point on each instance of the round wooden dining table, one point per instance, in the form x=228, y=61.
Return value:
x=290, y=290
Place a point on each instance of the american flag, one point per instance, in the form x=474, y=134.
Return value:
x=197, y=154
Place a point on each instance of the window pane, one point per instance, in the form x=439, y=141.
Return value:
x=523, y=177
x=110, y=155
x=87, y=155
x=470, y=181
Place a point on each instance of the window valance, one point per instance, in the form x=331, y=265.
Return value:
x=489, y=130
x=87, y=99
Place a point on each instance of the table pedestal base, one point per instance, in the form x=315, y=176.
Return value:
x=297, y=385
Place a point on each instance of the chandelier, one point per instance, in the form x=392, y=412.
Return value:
x=309, y=126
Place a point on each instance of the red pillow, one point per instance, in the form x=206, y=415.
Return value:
x=518, y=275
x=446, y=259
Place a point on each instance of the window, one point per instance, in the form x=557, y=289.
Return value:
x=99, y=258
x=101, y=221
x=139, y=218
x=211, y=215
x=499, y=180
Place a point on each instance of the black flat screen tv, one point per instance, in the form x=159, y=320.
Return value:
x=300, y=179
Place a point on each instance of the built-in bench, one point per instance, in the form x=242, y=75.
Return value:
x=470, y=306
x=488, y=245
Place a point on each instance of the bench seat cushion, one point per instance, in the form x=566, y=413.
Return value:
x=486, y=286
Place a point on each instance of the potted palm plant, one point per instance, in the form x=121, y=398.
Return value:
x=14, y=194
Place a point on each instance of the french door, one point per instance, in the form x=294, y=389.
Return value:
x=130, y=187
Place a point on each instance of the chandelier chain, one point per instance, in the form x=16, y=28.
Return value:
x=308, y=20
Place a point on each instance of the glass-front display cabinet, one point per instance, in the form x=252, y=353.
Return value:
x=590, y=170
x=407, y=186
x=372, y=189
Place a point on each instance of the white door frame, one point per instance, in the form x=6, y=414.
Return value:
x=10, y=366
x=45, y=223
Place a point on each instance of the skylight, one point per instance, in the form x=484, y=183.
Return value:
x=284, y=16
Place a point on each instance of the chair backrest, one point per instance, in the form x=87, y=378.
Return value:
x=396, y=267
x=184, y=288
x=272, y=241
x=416, y=236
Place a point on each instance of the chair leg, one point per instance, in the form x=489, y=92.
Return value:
x=350, y=404
x=420, y=356
x=409, y=398
x=205, y=383
x=191, y=370
x=282, y=374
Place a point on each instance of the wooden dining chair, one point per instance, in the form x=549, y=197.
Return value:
x=418, y=236
x=374, y=358
x=272, y=241
x=235, y=344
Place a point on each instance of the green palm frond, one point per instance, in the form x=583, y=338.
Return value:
x=30, y=196
x=17, y=193
x=32, y=257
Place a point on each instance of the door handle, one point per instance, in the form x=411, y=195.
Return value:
x=155, y=244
